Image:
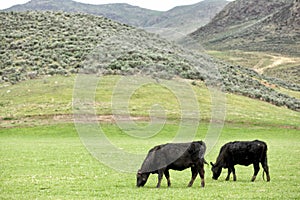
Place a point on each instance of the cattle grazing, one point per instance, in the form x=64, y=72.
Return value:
x=176, y=156
x=242, y=153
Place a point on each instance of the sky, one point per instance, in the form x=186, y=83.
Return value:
x=161, y=5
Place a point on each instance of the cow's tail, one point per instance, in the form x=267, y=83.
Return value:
x=202, y=150
x=264, y=158
x=205, y=162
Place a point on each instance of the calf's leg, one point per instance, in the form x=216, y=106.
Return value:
x=194, y=175
x=256, y=170
x=167, y=175
x=201, y=173
x=228, y=175
x=233, y=172
x=160, y=176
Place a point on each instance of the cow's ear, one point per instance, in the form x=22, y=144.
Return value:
x=212, y=164
x=139, y=172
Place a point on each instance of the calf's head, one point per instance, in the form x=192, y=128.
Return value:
x=216, y=170
x=141, y=178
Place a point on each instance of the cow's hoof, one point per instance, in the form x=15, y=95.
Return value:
x=202, y=184
x=234, y=178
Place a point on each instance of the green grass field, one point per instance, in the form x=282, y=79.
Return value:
x=42, y=156
x=28, y=103
x=50, y=162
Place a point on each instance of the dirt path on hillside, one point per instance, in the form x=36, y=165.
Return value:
x=30, y=121
x=277, y=61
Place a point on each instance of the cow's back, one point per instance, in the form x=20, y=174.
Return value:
x=177, y=156
x=190, y=154
x=245, y=153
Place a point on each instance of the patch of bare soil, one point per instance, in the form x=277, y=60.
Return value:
x=277, y=61
x=38, y=120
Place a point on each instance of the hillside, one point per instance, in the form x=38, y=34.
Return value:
x=256, y=25
x=48, y=43
x=121, y=12
x=182, y=20
x=269, y=64
x=27, y=103
x=171, y=24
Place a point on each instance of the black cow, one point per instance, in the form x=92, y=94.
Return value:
x=242, y=153
x=176, y=156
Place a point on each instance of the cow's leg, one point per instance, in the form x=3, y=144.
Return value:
x=201, y=173
x=228, y=175
x=233, y=172
x=256, y=170
x=160, y=176
x=194, y=175
x=167, y=175
x=266, y=168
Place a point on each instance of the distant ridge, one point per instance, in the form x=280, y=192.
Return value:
x=185, y=19
x=254, y=25
x=121, y=12
x=171, y=24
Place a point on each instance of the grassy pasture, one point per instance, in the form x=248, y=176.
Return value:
x=43, y=158
x=246, y=59
x=28, y=103
x=50, y=162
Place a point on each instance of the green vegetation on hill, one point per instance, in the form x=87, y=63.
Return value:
x=37, y=44
x=27, y=103
x=287, y=72
x=48, y=43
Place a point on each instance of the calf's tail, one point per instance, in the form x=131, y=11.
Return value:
x=264, y=160
x=205, y=162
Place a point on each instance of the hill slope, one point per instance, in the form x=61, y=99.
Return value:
x=42, y=43
x=121, y=12
x=174, y=23
x=48, y=43
x=27, y=103
x=182, y=20
x=256, y=25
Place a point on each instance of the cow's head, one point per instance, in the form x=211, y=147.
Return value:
x=141, y=178
x=216, y=170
